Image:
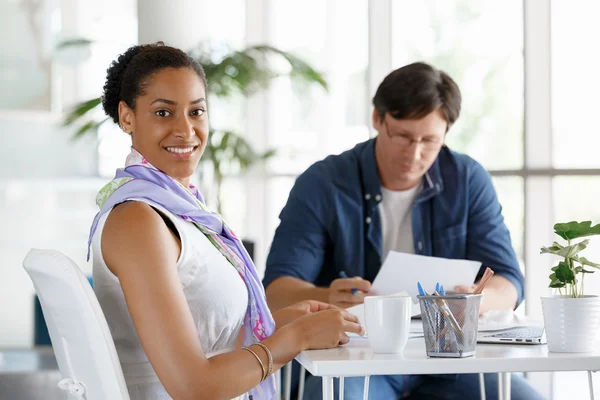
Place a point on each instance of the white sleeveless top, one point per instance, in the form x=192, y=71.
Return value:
x=215, y=292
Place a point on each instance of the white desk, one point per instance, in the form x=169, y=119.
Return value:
x=357, y=359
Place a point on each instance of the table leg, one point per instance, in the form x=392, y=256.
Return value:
x=481, y=386
x=504, y=386
x=591, y=385
x=366, y=388
x=277, y=375
x=287, y=381
x=341, y=396
x=301, y=383
x=327, y=387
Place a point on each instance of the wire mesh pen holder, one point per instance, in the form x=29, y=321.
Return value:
x=450, y=324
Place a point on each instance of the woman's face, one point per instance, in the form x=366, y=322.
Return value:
x=169, y=125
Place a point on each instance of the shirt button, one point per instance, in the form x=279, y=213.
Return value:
x=368, y=220
x=378, y=197
x=367, y=196
x=420, y=245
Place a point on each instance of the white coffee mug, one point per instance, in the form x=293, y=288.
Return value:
x=388, y=322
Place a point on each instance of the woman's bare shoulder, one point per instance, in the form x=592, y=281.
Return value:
x=135, y=233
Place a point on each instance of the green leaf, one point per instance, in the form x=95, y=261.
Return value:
x=77, y=42
x=556, y=246
x=585, y=261
x=567, y=251
x=90, y=126
x=556, y=284
x=267, y=154
x=79, y=112
x=564, y=273
x=300, y=70
x=231, y=153
x=574, y=229
x=583, y=271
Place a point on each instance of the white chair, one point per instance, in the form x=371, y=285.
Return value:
x=84, y=349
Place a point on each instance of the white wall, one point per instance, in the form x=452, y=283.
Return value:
x=46, y=201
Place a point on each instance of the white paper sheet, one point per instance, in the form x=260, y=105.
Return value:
x=401, y=271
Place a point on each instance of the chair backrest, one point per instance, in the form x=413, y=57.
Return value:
x=84, y=348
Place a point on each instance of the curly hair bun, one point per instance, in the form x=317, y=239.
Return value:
x=114, y=77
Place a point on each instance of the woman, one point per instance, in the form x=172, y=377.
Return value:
x=176, y=285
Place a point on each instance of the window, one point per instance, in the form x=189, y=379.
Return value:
x=468, y=39
x=317, y=123
x=511, y=197
x=307, y=124
x=575, y=87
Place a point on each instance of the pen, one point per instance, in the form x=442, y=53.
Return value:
x=343, y=274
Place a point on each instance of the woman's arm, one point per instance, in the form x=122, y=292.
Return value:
x=142, y=252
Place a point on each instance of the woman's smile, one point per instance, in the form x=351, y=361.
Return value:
x=182, y=152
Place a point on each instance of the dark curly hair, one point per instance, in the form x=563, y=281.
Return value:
x=127, y=76
x=415, y=90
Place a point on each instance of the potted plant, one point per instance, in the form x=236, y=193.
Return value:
x=571, y=318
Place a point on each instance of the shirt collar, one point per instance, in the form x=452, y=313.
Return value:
x=432, y=181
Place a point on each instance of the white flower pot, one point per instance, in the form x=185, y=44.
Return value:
x=571, y=323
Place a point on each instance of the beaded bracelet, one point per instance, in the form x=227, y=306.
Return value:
x=259, y=361
x=266, y=349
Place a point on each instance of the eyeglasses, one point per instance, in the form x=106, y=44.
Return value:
x=406, y=141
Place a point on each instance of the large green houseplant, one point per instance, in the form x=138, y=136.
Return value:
x=228, y=72
x=571, y=318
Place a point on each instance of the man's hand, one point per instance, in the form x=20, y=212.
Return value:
x=298, y=310
x=483, y=306
x=340, y=291
x=499, y=294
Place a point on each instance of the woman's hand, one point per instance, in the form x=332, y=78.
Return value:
x=291, y=313
x=326, y=329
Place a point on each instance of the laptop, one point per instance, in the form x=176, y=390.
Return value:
x=517, y=335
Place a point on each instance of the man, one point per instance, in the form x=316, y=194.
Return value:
x=404, y=191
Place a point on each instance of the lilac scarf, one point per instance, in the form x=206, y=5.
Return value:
x=140, y=180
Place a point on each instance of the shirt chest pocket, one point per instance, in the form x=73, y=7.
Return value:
x=450, y=242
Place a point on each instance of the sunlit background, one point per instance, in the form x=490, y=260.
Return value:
x=527, y=71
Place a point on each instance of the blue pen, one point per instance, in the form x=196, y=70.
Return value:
x=343, y=274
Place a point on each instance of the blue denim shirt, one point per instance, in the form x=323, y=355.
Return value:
x=331, y=220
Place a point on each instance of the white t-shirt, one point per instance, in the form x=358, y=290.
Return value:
x=396, y=220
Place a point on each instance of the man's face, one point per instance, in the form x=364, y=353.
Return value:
x=406, y=148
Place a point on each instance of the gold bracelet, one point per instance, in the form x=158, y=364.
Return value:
x=266, y=349
x=259, y=361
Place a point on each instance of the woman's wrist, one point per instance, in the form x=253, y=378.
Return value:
x=294, y=336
